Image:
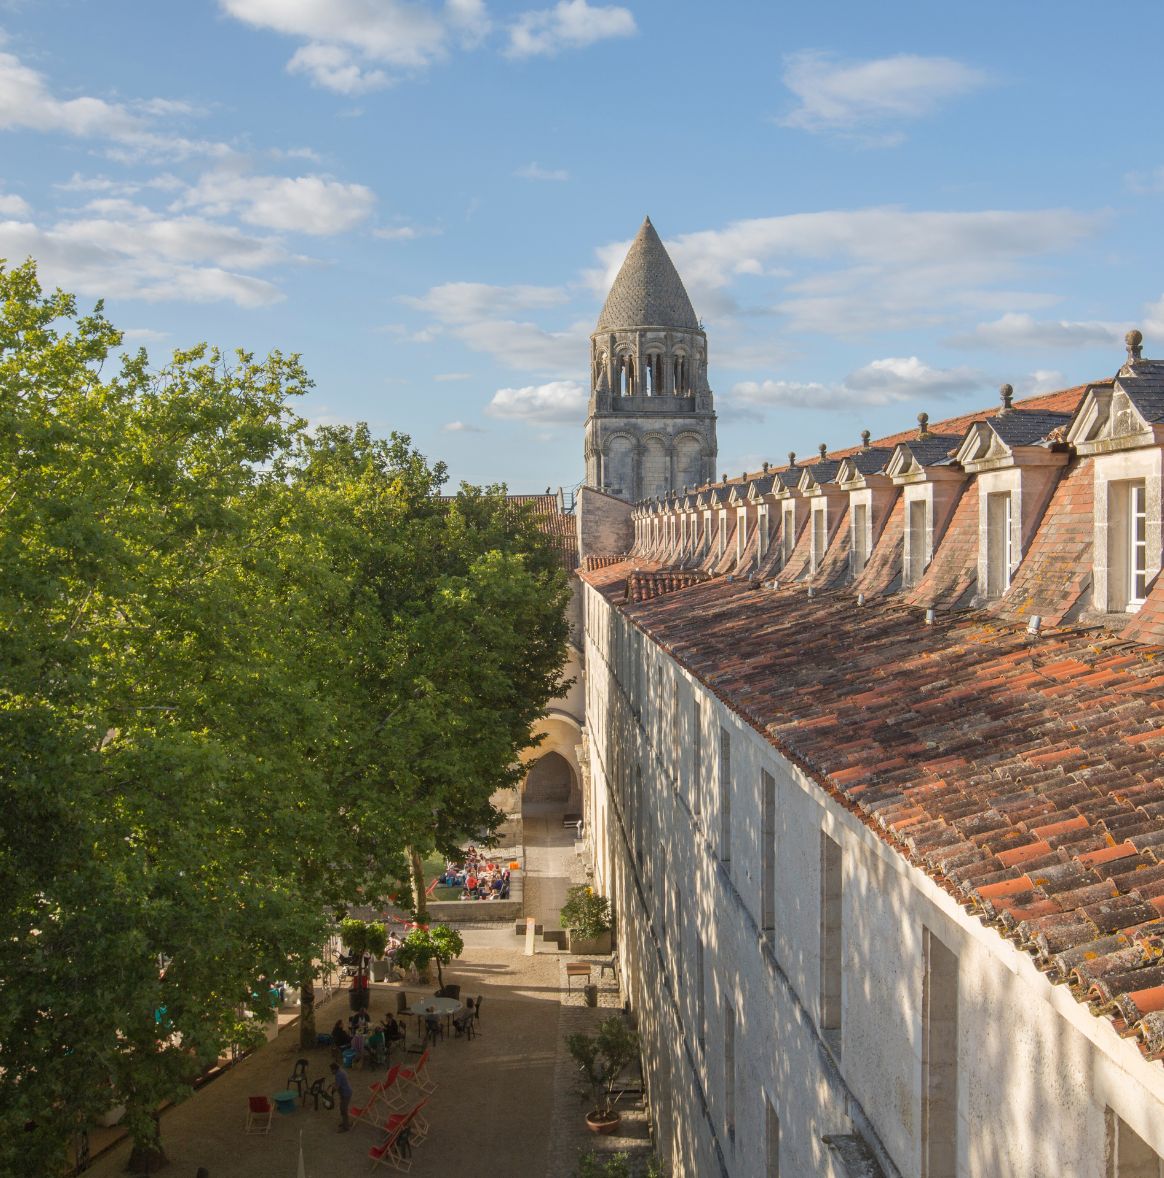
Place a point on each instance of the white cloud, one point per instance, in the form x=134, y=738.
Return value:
x=405, y=232
x=1019, y=330
x=461, y=427
x=1042, y=380
x=835, y=96
x=117, y=249
x=317, y=205
x=27, y=103
x=1154, y=319
x=1145, y=183
x=560, y=402
x=534, y=171
x=334, y=68
x=447, y=376
x=12, y=205
x=143, y=335
x=359, y=45
x=570, y=24
x=881, y=382
x=463, y=302
x=844, y=271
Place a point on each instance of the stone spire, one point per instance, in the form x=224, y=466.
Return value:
x=648, y=291
x=650, y=428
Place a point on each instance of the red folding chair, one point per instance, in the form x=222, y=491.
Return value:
x=394, y=1151
x=418, y=1075
x=259, y=1113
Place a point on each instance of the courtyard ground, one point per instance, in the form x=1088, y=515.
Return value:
x=506, y=1102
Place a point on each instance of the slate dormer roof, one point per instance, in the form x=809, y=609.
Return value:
x=1027, y=427
x=760, y=486
x=1143, y=381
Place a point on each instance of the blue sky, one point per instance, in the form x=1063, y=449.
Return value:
x=877, y=209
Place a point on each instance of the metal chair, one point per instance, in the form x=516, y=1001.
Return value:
x=320, y=1090
x=298, y=1078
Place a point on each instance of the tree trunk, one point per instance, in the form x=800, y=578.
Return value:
x=307, y=1010
x=420, y=897
x=147, y=1155
x=440, y=975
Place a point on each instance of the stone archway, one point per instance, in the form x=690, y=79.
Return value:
x=551, y=786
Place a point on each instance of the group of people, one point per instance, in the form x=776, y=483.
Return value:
x=369, y=1042
x=479, y=878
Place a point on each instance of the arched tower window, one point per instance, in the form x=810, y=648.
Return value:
x=626, y=376
x=654, y=375
x=680, y=370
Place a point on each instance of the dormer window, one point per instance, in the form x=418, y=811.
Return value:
x=859, y=548
x=741, y=532
x=1119, y=425
x=788, y=533
x=722, y=532
x=819, y=535
x=762, y=531
x=999, y=543
x=916, y=540
x=1128, y=545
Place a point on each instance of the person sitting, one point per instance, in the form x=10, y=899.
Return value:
x=339, y=1037
x=461, y=1022
x=375, y=1047
x=432, y=1028
x=393, y=1031
x=358, y=1046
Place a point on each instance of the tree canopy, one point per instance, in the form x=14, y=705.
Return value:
x=244, y=667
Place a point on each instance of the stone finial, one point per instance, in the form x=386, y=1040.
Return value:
x=824, y=449
x=766, y=467
x=744, y=477
x=686, y=489
x=723, y=477
x=1006, y=393
x=865, y=436
x=1135, y=343
x=923, y=426
x=791, y=457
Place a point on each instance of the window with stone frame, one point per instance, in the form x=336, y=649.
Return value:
x=999, y=542
x=762, y=531
x=859, y=549
x=722, y=533
x=1127, y=545
x=819, y=535
x=916, y=537
x=1129, y=1155
x=741, y=533
x=788, y=534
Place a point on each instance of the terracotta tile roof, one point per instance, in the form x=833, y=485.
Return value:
x=1025, y=776
x=836, y=561
x=562, y=529
x=949, y=580
x=1056, y=569
x=882, y=571
x=1148, y=624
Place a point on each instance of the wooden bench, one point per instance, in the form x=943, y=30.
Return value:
x=576, y=969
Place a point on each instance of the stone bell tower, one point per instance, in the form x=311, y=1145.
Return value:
x=650, y=426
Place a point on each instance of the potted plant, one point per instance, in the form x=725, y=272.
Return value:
x=364, y=939
x=586, y=915
x=601, y=1058
x=423, y=946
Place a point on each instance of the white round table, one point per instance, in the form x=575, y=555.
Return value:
x=442, y=1007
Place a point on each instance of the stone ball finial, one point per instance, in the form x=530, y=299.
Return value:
x=1006, y=393
x=723, y=477
x=824, y=449
x=865, y=436
x=791, y=457
x=766, y=467
x=923, y=422
x=1134, y=341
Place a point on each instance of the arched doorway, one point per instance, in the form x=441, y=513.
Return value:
x=551, y=786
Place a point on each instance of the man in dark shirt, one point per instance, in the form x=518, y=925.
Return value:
x=344, y=1087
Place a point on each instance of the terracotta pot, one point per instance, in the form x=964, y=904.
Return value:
x=597, y=1124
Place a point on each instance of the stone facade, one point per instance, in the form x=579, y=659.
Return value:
x=650, y=426
x=879, y=803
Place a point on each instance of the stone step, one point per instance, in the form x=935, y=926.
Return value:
x=555, y=937
x=519, y=929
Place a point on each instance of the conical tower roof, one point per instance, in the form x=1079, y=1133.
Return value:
x=648, y=291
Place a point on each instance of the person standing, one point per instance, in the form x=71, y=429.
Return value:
x=344, y=1087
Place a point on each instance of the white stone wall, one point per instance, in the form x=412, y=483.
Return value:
x=1036, y=1072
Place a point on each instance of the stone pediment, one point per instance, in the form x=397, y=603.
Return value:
x=982, y=449
x=1108, y=419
